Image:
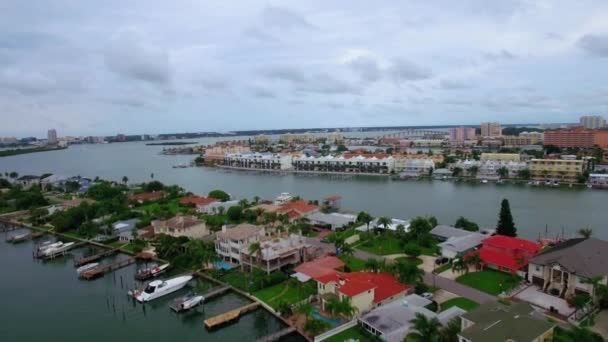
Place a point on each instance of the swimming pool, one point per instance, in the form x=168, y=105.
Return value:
x=224, y=265
x=330, y=321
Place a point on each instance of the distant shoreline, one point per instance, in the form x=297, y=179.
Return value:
x=18, y=151
x=174, y=143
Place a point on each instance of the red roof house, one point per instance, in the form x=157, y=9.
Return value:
x=144, y=197
x=366, y=290
x=296, y=209
x=320, y=267
x=507, y=253
x=197, y=200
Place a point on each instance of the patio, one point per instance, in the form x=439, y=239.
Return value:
x=538, y=298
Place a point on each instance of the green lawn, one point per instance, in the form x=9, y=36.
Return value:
x=355, y=333
x=415, y=261
x=235, y=278
x=353, y=263
x=283, y=292
x=490, y=281
x=463, y=303
x=387, y=244
x=443, y=268
x=172, y=206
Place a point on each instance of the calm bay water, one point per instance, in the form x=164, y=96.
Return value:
x=44, y=300
x=534, y=209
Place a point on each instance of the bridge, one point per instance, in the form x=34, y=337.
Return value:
x=414, y=133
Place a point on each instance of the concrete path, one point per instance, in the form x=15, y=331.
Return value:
x=442, y=296
x=601, y=324
x=438, y=281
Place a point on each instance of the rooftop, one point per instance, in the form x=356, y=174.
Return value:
x=584, y=257
x=463, y=243
x=512, y=243
x=320, y=267
x=351, y=284
x=197, y=200
x=240, y=232
x=447, y=232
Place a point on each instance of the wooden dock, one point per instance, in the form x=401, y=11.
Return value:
x=214, y=292
x=229, y=316
x=278, y=335
x=103, y=269
x=89, y=259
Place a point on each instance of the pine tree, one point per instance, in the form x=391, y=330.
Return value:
x=505, y=220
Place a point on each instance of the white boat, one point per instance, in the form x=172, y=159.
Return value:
x=283, y=198
x=151, y=272
x=187, y=302
x=86, y=267
x=548, y=183
x=47, y=244
x=58, y=248
x=159, y=288
x=484, y=181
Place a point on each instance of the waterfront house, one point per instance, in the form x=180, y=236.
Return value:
x=145, y=197
x=508, y=254
x=317, y=268
x=230, y=241
x=189, y=226
x=297, y=209
x=196, y=200
x=515, y=157
x=365, y=290
x=276, y=253
x=347, y=163
x=215, y=207
x=456, y=247
x=567, y=267
x=489, y=169
x=124, y=229
x=261, y=161
x=556, y=169
x=442, y=174
x=27, y=181
x=393, y=225
x=392, y=322
x=499, y=322
x=332, y=221
x=332, y=202
x=407, y=167
x=443, y=233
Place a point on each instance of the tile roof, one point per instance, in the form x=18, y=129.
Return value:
x=512, y=243
x=384, y=284
x=299, y=207
x=147, y=196
x=239, y=232
x=320, y=267
x=197, y=200
x=584, y=257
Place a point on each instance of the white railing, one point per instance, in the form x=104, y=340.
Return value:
x=335, y=331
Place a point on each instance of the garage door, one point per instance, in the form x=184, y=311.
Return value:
x=538, y=281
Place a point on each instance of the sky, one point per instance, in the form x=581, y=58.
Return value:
x=151, y=66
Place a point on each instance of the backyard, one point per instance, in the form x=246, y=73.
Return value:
x=355, y=333
x=353, y=264
x=463, y=303
x=290, y=292
x=386, y=244
x=490, y=281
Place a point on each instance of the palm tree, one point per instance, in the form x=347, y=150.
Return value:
x=503, y=172
x=244, y=203
x=407, y=272
x=459, y=265
x=255, y=248
x=372, y=264
x=347, y=250
x=473, y=259
x=337, y=307
x=424, y=329
x=473, y=170
x=449, y=333
x=364, y=217
x=152, y=175
x=585, y=232
x=599, y=291
x=384, y=221
x=256, y=199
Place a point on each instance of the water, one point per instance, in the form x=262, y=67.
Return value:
x=533, y=209
x=44, y=300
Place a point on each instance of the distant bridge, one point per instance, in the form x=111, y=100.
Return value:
x=414, y=133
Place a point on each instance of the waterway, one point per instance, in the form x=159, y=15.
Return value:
x=535, y=209
x=45, y=301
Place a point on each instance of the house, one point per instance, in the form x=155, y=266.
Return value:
x=317, y=268
x=332, y=202
x=393, y=321
x=145, y=197
x=498, y=322
x=442, y=174
x=196, y=201
x=332, y=220
x=28, y=181
x=598, y=180
x=509, y=254
x=443, y=233
x=277, y=253
x=567, y=266
x=455, y=247
x=365, y=290
x=263, y=161
x=215, y=207
x=297, y=209
x=189, y=226
x=230, y=241
x=394, y=223
x=123, y=229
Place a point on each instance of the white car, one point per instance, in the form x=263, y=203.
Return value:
x=427, y=295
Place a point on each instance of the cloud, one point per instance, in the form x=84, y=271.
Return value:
x=367, y=68
x=526, y=101
x=283, y=18
x=259, y=35
x=326, y=84
x=284, y=73
x=498, y=56
x=263, y=93
x=594, y=44
x=129, y=56
x=32, y=82
x=449, y=84
x=403, y=70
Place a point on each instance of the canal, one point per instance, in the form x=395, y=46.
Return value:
x=535, y=209
x=44, y=300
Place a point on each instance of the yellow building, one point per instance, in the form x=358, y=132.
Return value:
x=289, y=138
x=500, y=156
x=262, y=139
x=556, y=169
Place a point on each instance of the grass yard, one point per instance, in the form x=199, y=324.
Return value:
x=283, y=292
x=415, y=261
x=387, y=244
x=355, y=333
x=353, y=263
x=443, y=268
x=463, y=303
x=235, y=278
x=172, y=206
x=489, y=281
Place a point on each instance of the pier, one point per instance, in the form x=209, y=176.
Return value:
x=103, y=269
x=277, y=335
x=230, y=316
x=88, y=259
x=214, y=292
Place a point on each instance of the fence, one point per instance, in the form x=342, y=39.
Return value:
x=335, y=330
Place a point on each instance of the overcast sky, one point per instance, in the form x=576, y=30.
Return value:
x=151, y=66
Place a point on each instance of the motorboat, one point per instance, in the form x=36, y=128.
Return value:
x=151, y=272
x=555, y=183
x=48, y=244
x=60, y=247
x=548, y=182
x=484, y=181
x=80, y=270
x=159, y=288
x=18, y=238
x=187, y=302
x=283, y=198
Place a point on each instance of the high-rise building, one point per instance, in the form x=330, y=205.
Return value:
x=592, y=121
x=52, y=136
x=491, y=129
x=461, y=134
x=581, y=138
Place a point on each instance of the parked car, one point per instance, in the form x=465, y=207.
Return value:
x=427, y=295
x=441, y=260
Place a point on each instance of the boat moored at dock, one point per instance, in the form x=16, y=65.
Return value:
x=80, y=270
x=151, y=272
x=159, y=288
x=187, y=302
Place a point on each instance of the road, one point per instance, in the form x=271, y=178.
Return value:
x=438, y=281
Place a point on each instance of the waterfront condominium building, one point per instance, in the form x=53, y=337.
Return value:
x=263, y=161
x=592, y=121
x=409, y=167
x=461, y=134
x=500, y=156
x=491, y=129
x=346, y=163
x=556, y=169
x=578, y=137
x=523, y=139
x=278, y=252
x=52, y=136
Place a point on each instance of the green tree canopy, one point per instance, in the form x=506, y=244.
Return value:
x=465, y=224
x=506, y=226
x=219, y=195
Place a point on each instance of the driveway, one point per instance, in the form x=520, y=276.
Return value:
x=536, y=297
x=601, y=324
